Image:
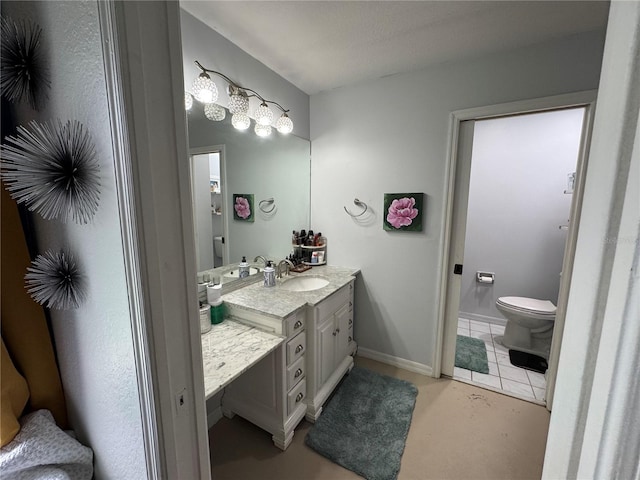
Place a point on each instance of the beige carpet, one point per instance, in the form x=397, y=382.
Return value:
x=458, y=432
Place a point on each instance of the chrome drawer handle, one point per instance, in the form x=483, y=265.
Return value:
x=297, y=325
x=299, y=397
x=299, y=348
x=298, y=373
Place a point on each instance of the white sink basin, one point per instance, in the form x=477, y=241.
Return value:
x=304, y=284
x=235, y=273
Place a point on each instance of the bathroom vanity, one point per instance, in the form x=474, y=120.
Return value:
x=295, y=379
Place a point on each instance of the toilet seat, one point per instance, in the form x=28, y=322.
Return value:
x=528, y=305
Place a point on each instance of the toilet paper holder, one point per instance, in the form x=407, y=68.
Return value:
x=487, y=278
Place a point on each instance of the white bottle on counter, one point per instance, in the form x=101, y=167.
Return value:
x=269, y=275
x=243, y=268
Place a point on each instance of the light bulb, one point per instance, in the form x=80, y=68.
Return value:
x=238, y=103
x=284, y=124
x=241, y=121
x=214, y=112
x=263, y=115
x=262, y=130
x=204, y=90
x=188, y=101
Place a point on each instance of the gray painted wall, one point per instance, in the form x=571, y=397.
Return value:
x=519, y=168
x=215, y=52
x=358, y=153
x=93, y=343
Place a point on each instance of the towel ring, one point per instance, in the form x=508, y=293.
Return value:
x=268, y=201
x=360, y=204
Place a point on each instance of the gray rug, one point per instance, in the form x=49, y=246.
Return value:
x=364, y=425
x=471, y=354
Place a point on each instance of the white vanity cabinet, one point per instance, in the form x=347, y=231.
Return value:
x=330, y=347
x=271, y=394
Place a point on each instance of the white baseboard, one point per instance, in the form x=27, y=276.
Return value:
x=482, y=318
x=214, y=416
x=396, y=361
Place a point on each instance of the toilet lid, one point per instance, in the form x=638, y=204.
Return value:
x=541, y=307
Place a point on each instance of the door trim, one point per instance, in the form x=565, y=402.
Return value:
x=584, y=99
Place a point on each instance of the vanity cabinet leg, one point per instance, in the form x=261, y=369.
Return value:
x=282, y=440
x=312, y=416
x=228, y=413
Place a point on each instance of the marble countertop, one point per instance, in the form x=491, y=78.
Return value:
x=229, y=349
x=279, y=302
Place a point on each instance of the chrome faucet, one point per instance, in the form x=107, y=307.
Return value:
x=262, y=258
x=286, y=264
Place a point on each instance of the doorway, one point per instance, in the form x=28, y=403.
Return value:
x=208, y=185
x=508, y=227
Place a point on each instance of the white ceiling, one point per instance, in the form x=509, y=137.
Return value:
x=320, y=45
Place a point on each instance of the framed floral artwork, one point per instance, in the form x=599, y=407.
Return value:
x=403, y=212
x=243, y=207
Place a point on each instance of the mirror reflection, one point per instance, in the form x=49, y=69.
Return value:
x=268, y=178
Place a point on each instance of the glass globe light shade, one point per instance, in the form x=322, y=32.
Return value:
x=284, y=124
x=241, y=121
x=214, y=112
x=188, y=101
x=263, y=115
x=204, y=90
x=262, y=130
x=238, y=103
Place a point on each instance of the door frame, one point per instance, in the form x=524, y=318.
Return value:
x=220, y=149
x=584, y=99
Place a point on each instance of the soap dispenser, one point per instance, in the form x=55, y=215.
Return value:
x=243, y=268
x=269, y=275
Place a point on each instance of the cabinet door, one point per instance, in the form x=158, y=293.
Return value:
x=326, y=349
x=342, y=338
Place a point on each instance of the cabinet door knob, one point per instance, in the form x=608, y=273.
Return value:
x=351, y=321
x=299, y=397
x=298, y=373
x=299, y=348
x=297, y=325
x=335, y=332
x=350, y=339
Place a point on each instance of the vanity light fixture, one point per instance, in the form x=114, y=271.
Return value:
x=214, y=112
x=188, y=101
x=205, y=91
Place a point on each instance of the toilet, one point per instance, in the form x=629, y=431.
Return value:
x=529, y=324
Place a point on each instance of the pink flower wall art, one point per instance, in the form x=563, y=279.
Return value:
x=243, y=207
x=403, y=211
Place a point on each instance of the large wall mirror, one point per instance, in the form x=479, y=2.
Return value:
x=225, y=161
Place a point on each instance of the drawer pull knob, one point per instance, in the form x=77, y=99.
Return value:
x=298, y=373
x=299, y=348
x=297, y=325
x=350, y=339
x=350, y=321
x=299, y=397
x=351, y=304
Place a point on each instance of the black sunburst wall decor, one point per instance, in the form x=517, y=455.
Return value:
x=52, y=169
x=54, y=281
x=24, y=76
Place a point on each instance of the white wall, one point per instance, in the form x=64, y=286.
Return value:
x=519, y=171
x=215, y=52
x=391, y=135
x=93, y=343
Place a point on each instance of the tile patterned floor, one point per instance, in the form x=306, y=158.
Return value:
x=502, y=375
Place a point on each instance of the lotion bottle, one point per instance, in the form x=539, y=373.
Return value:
x=269, y=275
x=243, y=268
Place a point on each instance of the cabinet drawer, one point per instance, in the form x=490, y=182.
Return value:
x=296, y=347
x=294, y=324
x=334, y=302
x=295, y=373
x=296, y=396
